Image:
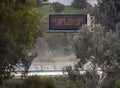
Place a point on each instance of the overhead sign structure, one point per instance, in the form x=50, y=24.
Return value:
x=66, y=22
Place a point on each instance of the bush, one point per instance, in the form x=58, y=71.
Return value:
x=12, y=83
x=117, y=84
x=58, y=7
x=38, y=82
x=75, y=84
x=49, y=83
x=30, y=82
x=112, y=82
x=79, y=4
x=64, y=82
x=109, y=83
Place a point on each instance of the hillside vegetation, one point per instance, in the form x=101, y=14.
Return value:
x=48, y=9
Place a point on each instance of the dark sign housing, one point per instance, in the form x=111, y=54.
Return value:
x=67, y=22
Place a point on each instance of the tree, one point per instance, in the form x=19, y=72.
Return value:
x=83, y=5
x=58, y=7
x=19, y=24
x=101, y=49
x=107, y=13
x=80, y=4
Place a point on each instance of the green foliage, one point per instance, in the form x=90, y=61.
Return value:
x=107, y=13
x=104, y=47
x=19, y=26
x=80, y=4
x=30, y=82
x=75, y=84
x=72, y=10
x=12, y=83
x=38, y=82
x=111, y=82
x=58, y=7
x=100, y=48
x=117, y=84
x=48, y=9
x=64, y=82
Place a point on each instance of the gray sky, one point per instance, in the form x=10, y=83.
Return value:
x=92, y=2
x=68, y=2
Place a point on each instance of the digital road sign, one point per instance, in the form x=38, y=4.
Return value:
x=66, y=22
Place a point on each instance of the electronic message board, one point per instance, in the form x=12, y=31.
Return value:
x=66, y=22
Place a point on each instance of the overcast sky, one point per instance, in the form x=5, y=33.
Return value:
x=93, y=2
x=68, y=2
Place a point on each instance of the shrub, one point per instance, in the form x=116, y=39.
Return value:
x=117, y=84
x=58, y=7
x=112, y=82
x=49, y=83
x=75, y=84
x=33, y=82
x=38, y=82
x=12, y=83
x=79, y=4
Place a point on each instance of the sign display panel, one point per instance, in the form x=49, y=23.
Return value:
x=67, y=22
